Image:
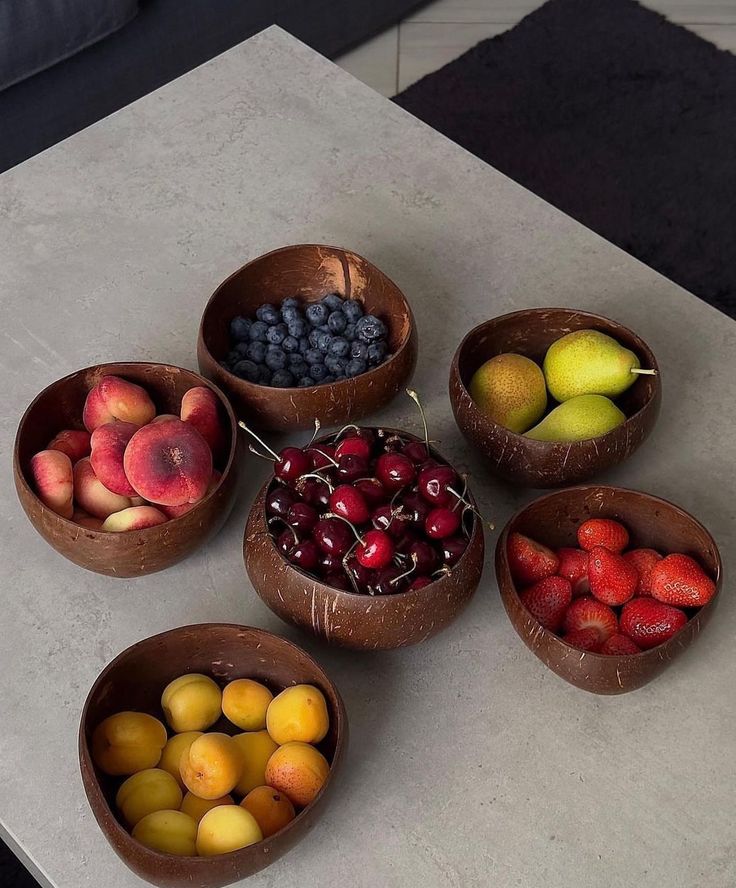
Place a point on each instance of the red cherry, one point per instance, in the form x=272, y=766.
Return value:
x=333, y=536
x=315, y=492
x=337, y=581
x=372, y=489
x=420, y=583
x=349, y=503
x=352, y=467
x=284, y=541
x=390, y=519
x=416, y=451
x=279, y=500
x=375, y=550
x=441, y=523
x=390, y=581
x=394, y=470
x=292, y=463
x=302, y=517
x=453, y=548
x=364, y=577
x=365, y=434
x=416, y=507
x=424, y=556
x=321, y=455
x=304, y=554
x=433, y=482
x=330, y=563
x=353, y=447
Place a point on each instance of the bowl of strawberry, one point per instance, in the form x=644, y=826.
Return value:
x=367, y=538
x=607, y=586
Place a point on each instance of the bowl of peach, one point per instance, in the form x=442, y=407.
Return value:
x=126, y=468
x=206, y=752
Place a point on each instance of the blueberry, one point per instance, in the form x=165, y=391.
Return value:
x=323, y=342
x=294, y=358
x=359, y=350
x=289, y=314
x=349, y=333
x=355, y=367
x=297, y=327
x=305, y=381
x=300, y=369
x=327, y=379
x=257, y=352
x=333, y=301
x=377, y=352
x=264, y=375
x=317, y=314
x=318, y=372
x=339, y=347
x=276, y=358
x=353, y=310
x=313, y=338
x=239, y=328
x=337, y=322
x=314, y=356
x=282, y=379
x=246, y=370
x=304, y=345
x=370, y=328
x=232, y=357
x=268, y=313
x=290, y=344
x=290, y=302
x=258, y=331
x=242, y=349
x=277, y=334
x=336, y=365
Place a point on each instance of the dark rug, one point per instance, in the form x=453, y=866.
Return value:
x=614, y=115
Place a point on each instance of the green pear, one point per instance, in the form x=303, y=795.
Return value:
x=588, y=362
x=510, y=390
x=584, y=416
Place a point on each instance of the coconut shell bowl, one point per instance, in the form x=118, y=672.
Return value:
x=134, y=681
x=310, y=272
x=529, y=463
x=130, y=553
x=347, y=617
x=652, y=523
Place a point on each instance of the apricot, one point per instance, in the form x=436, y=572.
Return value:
x=191, y=702
x=128, y=742
x=212, y=765
x=225, y=829
x=196, y=808
x=298, y=770
x=271, y=809
x=172, y=832
x=108, y=446
x=298, y=713
x=84, y=520
x=199, y=406
x=115, y=398
x=256, y=748
x=92, y=495
x=173, y=751
x=145, y=792
x=244, y=703
x=73, y=442
x=178, y=511
x=53, y=479
x=134, y=518
x=168, y=463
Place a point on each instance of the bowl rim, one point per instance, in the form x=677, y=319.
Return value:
x=501, y=555
x=256, y=386
x=520, y=436
x=85, y=753
x=146, y=531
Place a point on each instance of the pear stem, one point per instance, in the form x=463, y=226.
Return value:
x=643, y=372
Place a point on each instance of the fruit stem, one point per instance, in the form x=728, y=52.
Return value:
x=350, y=425
x=284, y=521
x=415, y=398
x=322, y=453
x=358, y=538
x=259, y=454
x=317, y=427
x=643, y=372
x=318, y=477
x=262, y=443
x=406, y=573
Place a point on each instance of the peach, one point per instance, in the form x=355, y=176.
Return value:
x=178, y=511
x=210, y=768
x=298, y=713
x=172, y=832
x=164, y=417
x=145, y=792
x=128, y=742
x=91, y=494
x=196, y=808
x=226, y=828
x=244, y=703
x=115, y=398
x=84, y=520
x=256, y=748
x=200, y=407
x=173, y=751
x=133, y=518
x=191, y=702
x=108, y=446
x=73, y=442
x=168, y=463
x=271, y=809
x=298, y=770
x=53, y=479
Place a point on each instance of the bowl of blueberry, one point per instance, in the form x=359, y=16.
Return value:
x=307, y=332
x=368, y=538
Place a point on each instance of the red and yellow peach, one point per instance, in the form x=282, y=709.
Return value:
x=91, y=494
x=200, y=408
x=115, y=398
x=133, y=518
x=108, y=446
x=54, y=481
x=74, y=442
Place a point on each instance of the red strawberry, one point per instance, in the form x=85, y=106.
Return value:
x=587, y=613
x=613, y=580
x=574, y=567
x=603, y=532
x=530, y=561
x=643, y=560
x=649, y=622
x=547, y=600
x=680, y=580
x=619, y=644
x=585, y=639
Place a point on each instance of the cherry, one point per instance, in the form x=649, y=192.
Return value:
x=441, y=523
x=424, y=556
x=349, y=503
x=390, y=581
x=285, y=540
x=394, y=470
x=279, y=500
x=364, y=577
x=337, y=581
x=353, y=447
x=453, y=548
x=433, y=483
x=420, y=583
x=393, y=444
x=292, y=462
x=304, y=554
x=375, y=550
x=416, y=507
x=302, y=517
x=329, y=562
x=321, y=456
x=352, y=467
x=391, y=519
x=333, y=536
x=315, y=492
x=352, y=431
x=416, y=451
x=373, y=491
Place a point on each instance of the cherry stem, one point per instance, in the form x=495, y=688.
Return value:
x=319, y=478
x=317, y=427
x=322, y=453
x=350, y=425
x=259, y=454
x=406, y=573
x=460, y=497
x=262, y=443
x=284, y=521
x=351, y=526
x=444, y=571
x=642, y=372
x=415, y=398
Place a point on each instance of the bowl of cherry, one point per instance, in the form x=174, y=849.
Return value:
x=367, y=538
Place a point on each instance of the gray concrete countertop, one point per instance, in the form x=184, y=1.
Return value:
x=470, y=763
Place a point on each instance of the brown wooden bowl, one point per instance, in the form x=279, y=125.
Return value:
x=546, y=463
x=348, y=619
x=135, y=679
x=310, y=271
x=654, y=523
x=133, y=553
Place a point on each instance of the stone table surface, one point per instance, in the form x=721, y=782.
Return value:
x=470, y=763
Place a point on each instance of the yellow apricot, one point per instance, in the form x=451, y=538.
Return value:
x=128, y=742
x=298, y=713
x=191, y=702
x=298, y=770
x=226, y=828
x=271, y=809
x=173, y=751
x=197, y=808
x=170, y=831
x=145, y=792
x=212, y=765
x=256, y=748
x=245, y=702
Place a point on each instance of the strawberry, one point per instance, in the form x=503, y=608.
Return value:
x=643, y=560
x=680, y=580
x=574, y=567
x=530, y=561
x=588, y=613
x=585, y=639
x=613, y=580
x=649, y=622
x=603, y=532
x=619, y=644
x=547, y=601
